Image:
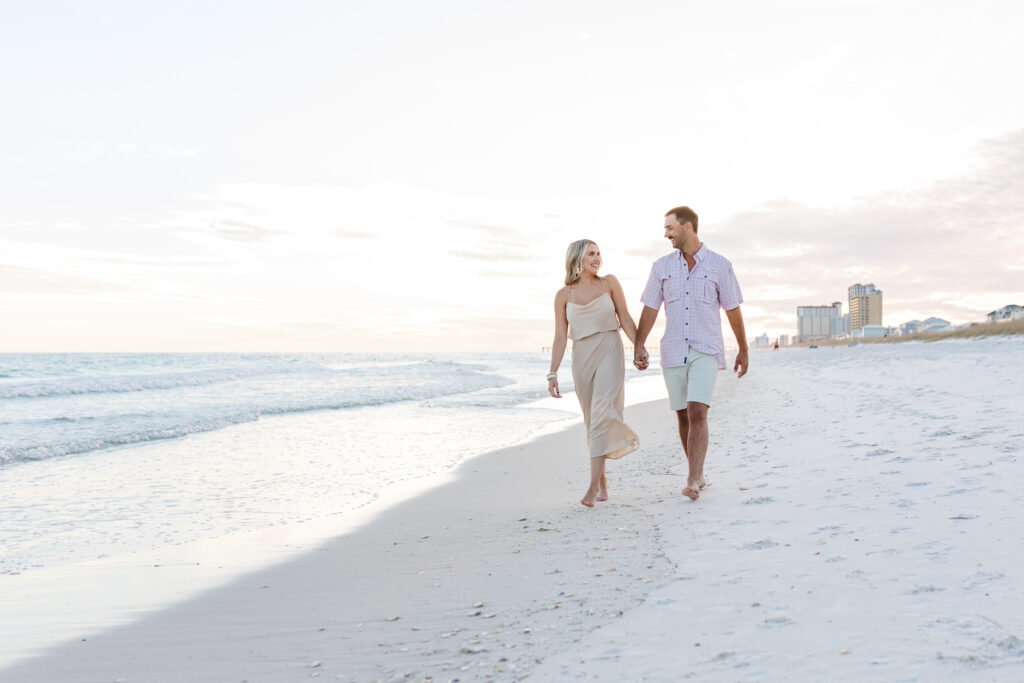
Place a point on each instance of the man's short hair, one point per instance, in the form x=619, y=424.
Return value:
x=684, y=214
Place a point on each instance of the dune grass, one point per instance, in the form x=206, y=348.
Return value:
x=976, y=330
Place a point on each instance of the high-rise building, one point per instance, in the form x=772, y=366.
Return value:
x=865, y=306
x=840, y=327
x=817, y=322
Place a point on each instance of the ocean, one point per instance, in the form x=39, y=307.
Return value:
x=106, y=459
x=102, y=454
x=107, y=454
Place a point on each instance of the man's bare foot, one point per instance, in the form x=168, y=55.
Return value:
x=602, y=490
x=692, y=492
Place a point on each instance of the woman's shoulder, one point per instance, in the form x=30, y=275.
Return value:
x=562, y=294
x=611, y=280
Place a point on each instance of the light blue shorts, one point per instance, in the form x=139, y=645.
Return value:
x=694, y=381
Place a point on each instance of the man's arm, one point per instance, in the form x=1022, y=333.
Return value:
x=735, y=317
x=643, y=328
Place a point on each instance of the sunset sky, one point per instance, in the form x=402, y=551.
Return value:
x=397, y=175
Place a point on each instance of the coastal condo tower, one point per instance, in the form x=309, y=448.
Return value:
x=820, y=322
x=865, y=306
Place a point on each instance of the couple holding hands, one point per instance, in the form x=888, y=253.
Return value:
x=692, y=282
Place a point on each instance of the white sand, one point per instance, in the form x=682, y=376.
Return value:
x=865, y=523
x=864, y=501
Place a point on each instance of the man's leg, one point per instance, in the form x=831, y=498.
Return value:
x=697, y=417
x=684, y=431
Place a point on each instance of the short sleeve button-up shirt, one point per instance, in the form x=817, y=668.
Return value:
x=692, y=299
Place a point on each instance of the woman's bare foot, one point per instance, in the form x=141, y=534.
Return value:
x=588, y=498
x=602, y=490
x=703, y=483
x=692, y=491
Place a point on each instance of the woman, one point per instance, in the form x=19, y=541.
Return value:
x=591, y=309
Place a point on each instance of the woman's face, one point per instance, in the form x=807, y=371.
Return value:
x=592, y=259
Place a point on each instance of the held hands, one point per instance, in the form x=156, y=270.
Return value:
x=640, y=358
x=742, y=363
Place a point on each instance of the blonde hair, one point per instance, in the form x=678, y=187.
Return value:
x=574, y=260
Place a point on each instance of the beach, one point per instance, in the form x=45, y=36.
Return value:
x=862, y=522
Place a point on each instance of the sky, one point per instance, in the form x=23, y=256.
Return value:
x=406, y=176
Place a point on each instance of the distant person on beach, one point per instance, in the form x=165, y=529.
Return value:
x=590, y=309
x=692, y=282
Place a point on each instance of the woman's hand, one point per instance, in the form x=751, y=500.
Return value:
x=553, y=387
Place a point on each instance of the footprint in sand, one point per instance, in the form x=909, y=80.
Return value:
x=776, y=621
x=980, y=579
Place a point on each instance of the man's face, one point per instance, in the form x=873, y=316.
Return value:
x=676, y=232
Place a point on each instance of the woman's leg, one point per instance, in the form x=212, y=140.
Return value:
x=596, y=474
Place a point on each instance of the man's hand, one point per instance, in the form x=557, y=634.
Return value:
x=640, y=358
x=742, y=363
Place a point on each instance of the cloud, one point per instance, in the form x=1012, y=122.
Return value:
x=355, y=235
x=242, y=232
x=24, y=281
x=157, y=261
x=493, y=231
x=952, y=248
x=497, y=255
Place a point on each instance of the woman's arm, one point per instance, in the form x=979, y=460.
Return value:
x=621, y=310
x=560, y=340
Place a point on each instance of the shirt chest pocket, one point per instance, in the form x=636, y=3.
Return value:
x=673, y=288
x=709, y=291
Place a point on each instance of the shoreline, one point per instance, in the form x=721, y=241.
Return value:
x=89, y=596
x=858, y=525
x=411, y=578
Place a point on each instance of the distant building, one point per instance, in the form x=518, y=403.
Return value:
x=761, y=341
x=910, y=327
x=868, y=332
x=783, y=340
x=839, y=327
x=1011, y=312
x=865, y=306
x=815, y=322
x=930, y=325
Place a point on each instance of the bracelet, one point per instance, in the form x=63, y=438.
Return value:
x=552, y=375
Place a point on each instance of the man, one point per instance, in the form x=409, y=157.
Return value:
x=692, y=282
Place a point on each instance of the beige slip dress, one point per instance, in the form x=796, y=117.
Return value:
x=598, y=371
